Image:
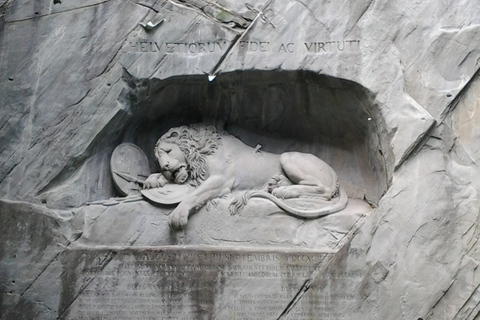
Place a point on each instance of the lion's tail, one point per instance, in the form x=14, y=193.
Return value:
x=238, y=204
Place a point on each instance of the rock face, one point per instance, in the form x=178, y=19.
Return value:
x=386, y=93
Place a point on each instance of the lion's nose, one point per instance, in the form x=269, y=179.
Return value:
x=168, y=164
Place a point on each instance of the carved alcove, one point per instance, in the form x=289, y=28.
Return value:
x=335, y=119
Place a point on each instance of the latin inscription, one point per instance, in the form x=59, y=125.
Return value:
x=316, y=47
x=178, y=47
x=199, y=284
x=220, y=46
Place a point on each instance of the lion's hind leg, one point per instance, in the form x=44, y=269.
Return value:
x=297, y=191
x=310, y=175
x=278, y=180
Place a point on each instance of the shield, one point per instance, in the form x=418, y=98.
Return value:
x=130, y=168
x=169, y=194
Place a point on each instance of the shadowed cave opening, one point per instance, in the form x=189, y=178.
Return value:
x=335, y=119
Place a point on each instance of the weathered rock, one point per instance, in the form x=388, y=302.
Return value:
x=384, y=92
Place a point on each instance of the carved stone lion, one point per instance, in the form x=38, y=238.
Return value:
x=216, y=164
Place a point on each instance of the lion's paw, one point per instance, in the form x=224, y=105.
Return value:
x=178, y=218
x=154, y=181
x=276, y=181
x=285, y=193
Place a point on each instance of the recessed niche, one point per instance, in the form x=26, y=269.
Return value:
x=335, y=119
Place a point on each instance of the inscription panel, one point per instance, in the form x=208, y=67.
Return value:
x=212, y=46
x=195, y=283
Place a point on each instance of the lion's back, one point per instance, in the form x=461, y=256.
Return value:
x=252, y=168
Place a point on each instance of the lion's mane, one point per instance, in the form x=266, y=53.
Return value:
x=196, y=143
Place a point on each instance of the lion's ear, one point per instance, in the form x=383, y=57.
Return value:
x=174, y=134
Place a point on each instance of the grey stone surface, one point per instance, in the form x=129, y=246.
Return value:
x=260, y=224
x=384, y=92
x=169, y=283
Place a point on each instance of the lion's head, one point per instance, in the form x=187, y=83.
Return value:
x=196, y=142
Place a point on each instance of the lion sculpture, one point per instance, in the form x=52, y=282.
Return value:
x=216, y=164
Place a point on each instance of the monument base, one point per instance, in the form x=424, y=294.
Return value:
x=191, y=283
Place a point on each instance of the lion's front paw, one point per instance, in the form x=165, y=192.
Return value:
x=179, y=218
x=151, y=182
x=155, y=180
x=285, y=193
